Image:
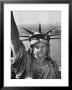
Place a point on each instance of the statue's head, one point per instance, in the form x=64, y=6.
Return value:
x=39, y=44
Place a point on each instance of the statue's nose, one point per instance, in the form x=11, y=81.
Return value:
x=40, y=49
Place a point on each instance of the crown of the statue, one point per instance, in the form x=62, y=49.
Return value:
x=39, y=36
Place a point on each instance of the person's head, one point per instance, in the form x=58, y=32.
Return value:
x=39, y=45
x=40, y=49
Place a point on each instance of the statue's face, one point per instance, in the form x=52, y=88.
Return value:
x=40, y=50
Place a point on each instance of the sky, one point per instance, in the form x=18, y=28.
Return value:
x=36, y=17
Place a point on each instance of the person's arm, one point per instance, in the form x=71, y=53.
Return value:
x=18, y=60
x=15, y=41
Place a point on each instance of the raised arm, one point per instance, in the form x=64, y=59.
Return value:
x=18, y=60
x=16, y=43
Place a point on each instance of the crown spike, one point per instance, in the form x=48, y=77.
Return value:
x=28, y=31
x=24, y=36
x=50, y=30
x=39, y=28
x=54, y=34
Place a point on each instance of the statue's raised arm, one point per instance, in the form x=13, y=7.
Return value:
x=19, y=54
x=16, y=43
